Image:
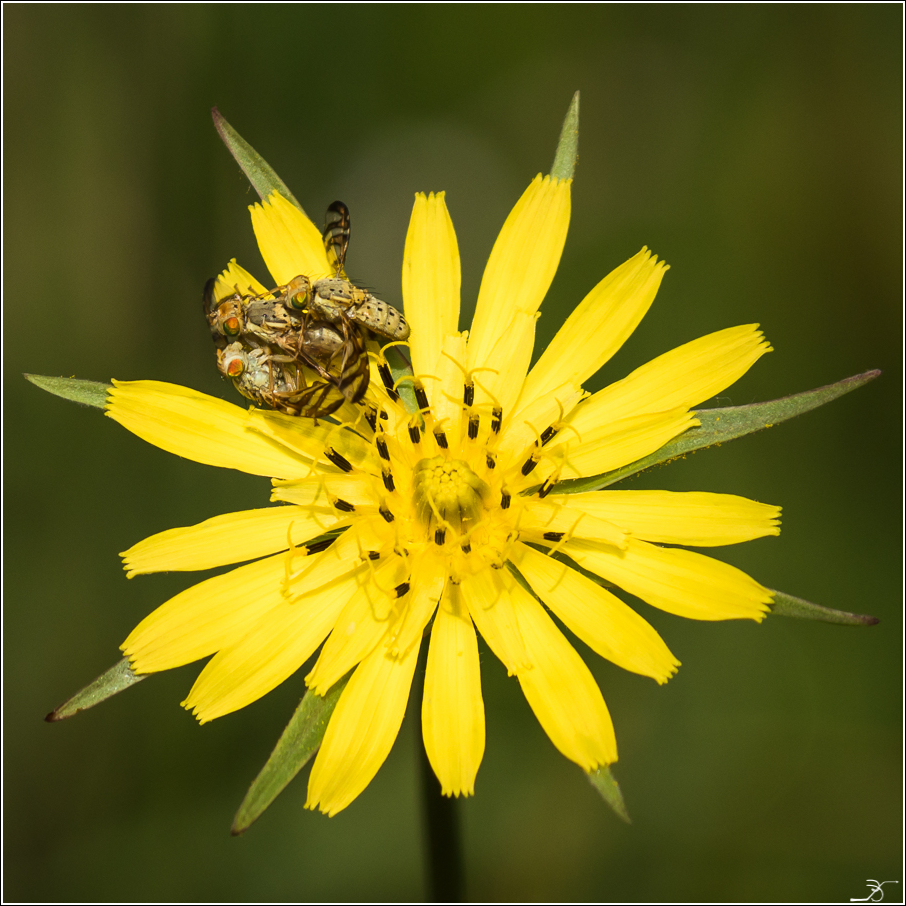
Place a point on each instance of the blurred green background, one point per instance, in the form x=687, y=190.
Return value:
x=757, y=149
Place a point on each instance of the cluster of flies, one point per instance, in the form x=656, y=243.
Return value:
x=301, y=348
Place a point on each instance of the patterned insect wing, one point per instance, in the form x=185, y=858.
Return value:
x=336, y=236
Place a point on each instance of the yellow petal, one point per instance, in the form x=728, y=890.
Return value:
x=426, y=586
x=536, y=416
x=522, y=264
x=236, y=279
x=561, y=690
x=361, y=626
x=289, y=242
x=500, y=382
x=207, y=617
x=452, y=707
x=309, y=442
x=198, y=427
x=445, y=394
x=324, y=489
x=603, y=446
x=683, y=377
x=682, y=582
x=553, y=515
x=362, y=730
x=600, y=619
x=488, y=597
x=690, y=517
x=431, y=278
x=230, y=538
x=348, y=555
x=599, y=326
x=267, y=655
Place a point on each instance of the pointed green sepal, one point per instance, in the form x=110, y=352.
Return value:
x=401, y=367
x=88, y=393
x=567, y=154
x=603, y=781
x=257, y=170
x=787, y=606
x=300, y=740
x=719, y=426
x=116, y=679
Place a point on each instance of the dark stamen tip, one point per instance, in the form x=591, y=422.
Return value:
x=387, y=378
x=339, y=461
x=317, y=546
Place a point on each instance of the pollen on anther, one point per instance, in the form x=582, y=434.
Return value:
x=496, y=419
x=383, y=452
x=547, y=434
x=441, y=439
x=420, y=396
x=466, y=548
x=468, y=394
x=388, y=516
x=529, y=465
x=440, y=535
x=491, y=462
x=388, y=480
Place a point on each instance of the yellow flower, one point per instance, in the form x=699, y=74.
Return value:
x=445, y=518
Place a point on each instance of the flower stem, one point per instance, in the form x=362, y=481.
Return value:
x=441, y=814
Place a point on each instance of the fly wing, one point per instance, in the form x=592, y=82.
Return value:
x=336, y=236
x=315, y=400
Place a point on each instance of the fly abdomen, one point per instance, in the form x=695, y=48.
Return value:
x=380, y=317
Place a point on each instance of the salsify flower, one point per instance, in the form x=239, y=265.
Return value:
x=447, y=519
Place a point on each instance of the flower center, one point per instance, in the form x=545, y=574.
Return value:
x=447, y=494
